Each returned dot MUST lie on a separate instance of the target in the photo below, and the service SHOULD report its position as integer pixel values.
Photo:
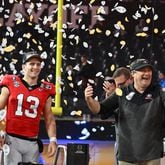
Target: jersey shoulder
(49, 87)
(7, 79)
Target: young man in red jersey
(26, 99)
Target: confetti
(118, 92)
(119, 9)
(92, 1)
(108, 33)
(123, 43)
(85, 44)
(141, 34)
(9, 48)
(156, 30)
(98, 74)
(112, 67)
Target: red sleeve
(53, 91)
(4, 81)
(50, 87)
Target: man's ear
(23, 66)
(133, 72)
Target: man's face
(84, 60)
(142, 77)
(32, 68)
(121, 81)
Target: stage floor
(100, 152)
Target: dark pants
(148, 162)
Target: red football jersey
(25, 105)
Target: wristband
(53, 139)
(2, 134)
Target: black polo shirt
(139, 122)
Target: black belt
(22, 137)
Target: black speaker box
(77, 154)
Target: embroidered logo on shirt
(148, 97)
(16, 84)
(130, 95)
(45, 86)
(48, 87)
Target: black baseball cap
(139, 64)
(29, 55)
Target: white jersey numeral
(32, 111)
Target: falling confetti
(112, 67)
(9, 48)
(123, 43)
(92, 1)
(118, 92)
(119, 9)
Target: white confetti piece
(119, 9)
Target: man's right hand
(93, 104)
(88, 92)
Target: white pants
(21, 151)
